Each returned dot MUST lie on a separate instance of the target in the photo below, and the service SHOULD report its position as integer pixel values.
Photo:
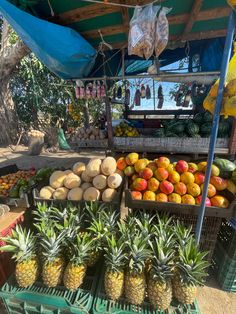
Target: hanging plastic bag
(142, 31)
(143, 91)
(137, 98)
(162, 31)
(229, 96)
(62, 140)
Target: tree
(12, 50)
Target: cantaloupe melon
(108, 166)
(85, 177)
(114, 181)
(46, 192)
(91, 194)
(108, 195)
(56, 179)
(100, 182)
(93, 168)
(60, 193)
(75, 194)
(68, 171)
(78, 168)
(84, 186)
(72, 181)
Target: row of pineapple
(144, 255)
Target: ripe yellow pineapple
(190, 272)
(23, 245)
(51, 249)
(135, 281)
(115, 262)
(159, 283)
(76, 268)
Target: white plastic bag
(142, 31)
(162, 31)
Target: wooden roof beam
(188, 37)
(192, 18)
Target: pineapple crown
(69, 222)
(22, 243)
(115, 256)
(138, 253)
(81, 249)
(42, 213)
(182, 234)
(163, 227)
(162, 258)
(191, 264)
(51, 242)
(93, 210)
(145, 224)
(110, 220)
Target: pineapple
(135, 281)
(190, 272)
(159, 281)
(53, 263)
(115, 262)
(76, 268)
(23, 245)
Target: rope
(120, 4)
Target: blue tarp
(61, 49)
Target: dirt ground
(211, 299)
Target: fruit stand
(77, 256)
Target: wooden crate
(169, 145)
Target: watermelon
(224, 128)
(170, 134)
(207, 117)
(224, 164)
(192, 128)
(176, 128)
(206, 128)
(198, 118)
(196, 136)
(183, 134)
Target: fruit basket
(40, 299)
(103, 305)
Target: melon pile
(181, 182)
(98, 180)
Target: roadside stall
(90, 260)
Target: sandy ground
(211, 299)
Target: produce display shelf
(227, 238)
(90, 143)
(225, 268)
(40, 299)
(103, 305)
(169, 145)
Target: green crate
(227, 238)
(103, 305)
(40, 299)
(225, 269)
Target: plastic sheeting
(61, 49)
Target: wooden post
(232, 140)
(109, 118)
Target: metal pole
(216, 118)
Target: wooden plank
(192, 17)
(11, 218)
(106, 31)
(125, 18)
(232, 141)
(94, 10)
(159, 112)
